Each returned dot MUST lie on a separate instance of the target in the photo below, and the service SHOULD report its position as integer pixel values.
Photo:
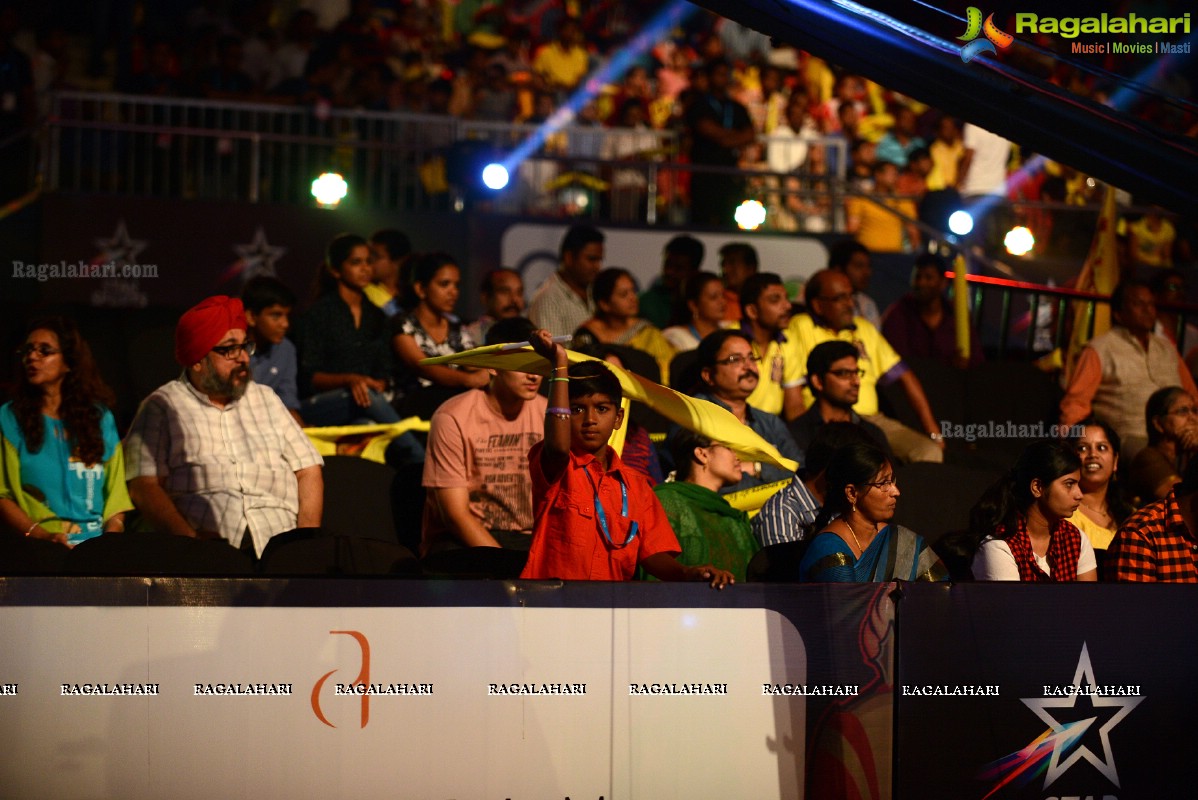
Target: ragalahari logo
(974, 27)
(363, 679)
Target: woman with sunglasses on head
(62, 474)
(341, 343)
(1022, 521)
(1172, 417)
(709, 530)
(1102, 508)
(857, 540)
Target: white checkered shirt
(226, 469)
(558, 309)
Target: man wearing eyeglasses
(213, 454)
(729, 368)
(834, 377)
(831, 317)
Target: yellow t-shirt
(874, 355)
(880, 230)
(559, 66)
(1100, 537)
(945, 158)
(650, 340)
(780, 368)
(377, 294)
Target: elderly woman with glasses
(1172, 417)
(62, 474)
(857, 542)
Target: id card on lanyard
(601, 514)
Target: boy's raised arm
(555, 454)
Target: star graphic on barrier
(120, 249)
(259, 256)
(1041, 706)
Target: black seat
(22, 555)
(313, 551)
(407, 495)
(936, 498)
(777, 563)
(475, 562)
(135, 553)
(357, 498)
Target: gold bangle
(31, 527)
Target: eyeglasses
(845, 374)
(43, 350)
(739, 358)
(1184, 411)
(886, 484)
(234, 351)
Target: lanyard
(602, 515)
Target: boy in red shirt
(596, 519)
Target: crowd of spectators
(216, 454)
(517, 486)
(733, 96)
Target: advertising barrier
(146, 688)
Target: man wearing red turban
(213, 454)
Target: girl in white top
(1023, 521)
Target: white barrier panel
(475, 702)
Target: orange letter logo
(363, 680)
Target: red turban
(203, 326)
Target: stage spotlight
(749, 215)
(1019, 241)
(495, 176)
(329, 189)
(960, 223)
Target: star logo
(1070, 718)
(974, 27)
(120, 249)
(1043, 706)
(258, 258)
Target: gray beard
(213, 385)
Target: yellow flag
(714, 422)
(752, 499)
(1100, 274)
(325, 440)
(961, 307)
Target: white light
(329, 189)
(960, 223)
(749, 215)
(495, 176)
(1019, 241)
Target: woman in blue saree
(857, 543)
